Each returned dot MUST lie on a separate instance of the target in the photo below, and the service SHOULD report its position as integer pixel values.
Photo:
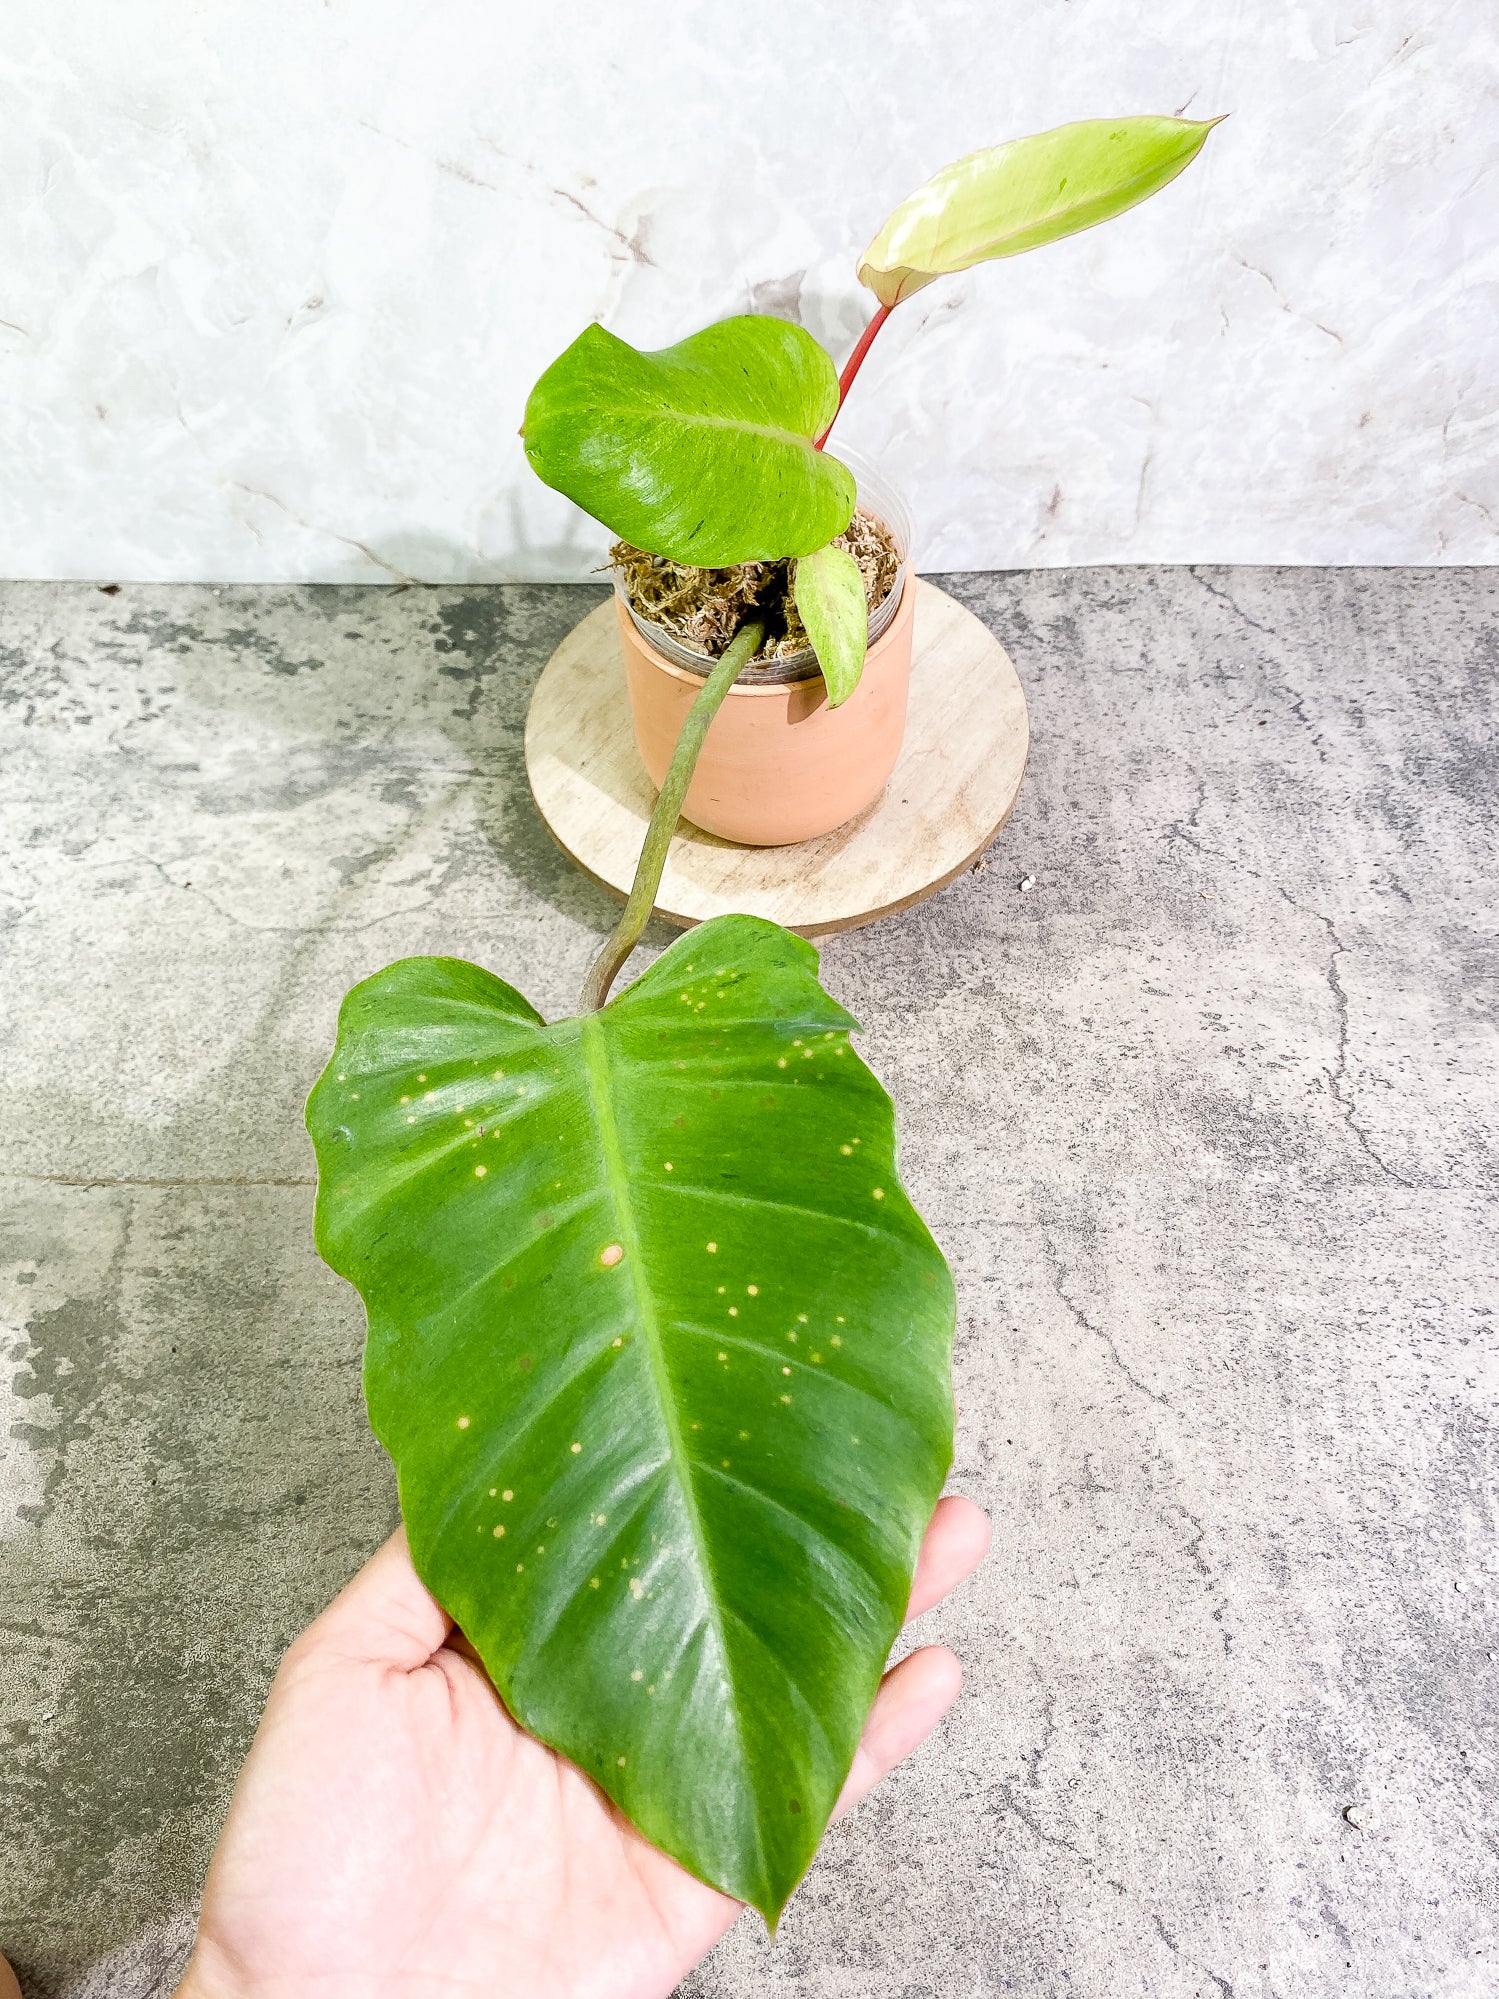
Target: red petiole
(853, 364)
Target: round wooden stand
(959, 772)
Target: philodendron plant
(657, 1343)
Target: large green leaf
(661, 1352)
(702, 452)
(1025, 193)
(830, 601)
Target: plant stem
(854, 363)
(626, 933)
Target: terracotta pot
(779, 765)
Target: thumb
(384, 1616)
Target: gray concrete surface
(1204, 1118)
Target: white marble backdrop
(276, 276)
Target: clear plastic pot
(876, 496)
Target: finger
(956, 1542)
(384, 1616)
(912, 1699)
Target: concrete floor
(1205, 1120)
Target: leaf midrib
(596, 1068)
(703, 421)
(945, 245)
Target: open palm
(394, 1832)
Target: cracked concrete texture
(1205, 1120)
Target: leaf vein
(596, 1058)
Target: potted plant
(707, 461)
(657, 1342)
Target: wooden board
(953, 788)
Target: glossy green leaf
(702, 452)
(1025, 193)
(661, 1352)
(831, 603)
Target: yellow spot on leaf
(575, 1448)
(499, 1531)
(463, 1422)
(480, 1171)
(611, 1254)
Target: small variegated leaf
(831, 603)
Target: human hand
(394, 1832)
